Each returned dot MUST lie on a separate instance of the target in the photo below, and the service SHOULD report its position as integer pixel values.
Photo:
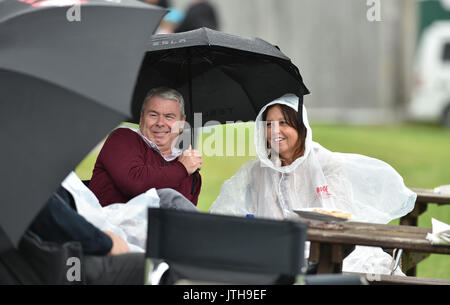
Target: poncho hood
(266, 156)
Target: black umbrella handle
(194, 181)
(300, 109)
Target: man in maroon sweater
(131, 162)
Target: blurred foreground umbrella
(63, 86)
(224, 77)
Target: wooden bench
(424, 197)
(382, 279)
(331, 243)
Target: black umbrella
(224, 77)
(63, 86)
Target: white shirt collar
(175, 153)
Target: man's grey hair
(165, 93)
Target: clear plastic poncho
(370, 189)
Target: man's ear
(141, 119)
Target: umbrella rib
(211, 62)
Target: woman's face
(282, 137)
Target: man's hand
(191, 159)
(120, 246)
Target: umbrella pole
(194, 175)
(191, 107)
(300, 108)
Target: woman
(292, 173)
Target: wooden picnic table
(424, 197)
(331, 243)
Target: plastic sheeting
(128, 221)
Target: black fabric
(58, 234)
(31, 180)
(199, 15)
(206, 242)
(300, 109)
(59, 223)
(194, 182)
(55, 90)
(224, 77)
(178, 272)
(125, 269)
(38, 262)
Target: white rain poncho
(370, 189)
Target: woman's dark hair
(291, 117)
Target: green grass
(420, 153)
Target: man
(62, 247)
(59, 235)
(131, 162)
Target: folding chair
(203, 247)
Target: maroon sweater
(127, 167)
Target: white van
(431, 92)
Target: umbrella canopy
(64, 85)
(224, 77)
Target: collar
(175, 153)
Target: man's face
(161, 122)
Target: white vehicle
(431, 92)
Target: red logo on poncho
(322, 191)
